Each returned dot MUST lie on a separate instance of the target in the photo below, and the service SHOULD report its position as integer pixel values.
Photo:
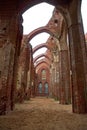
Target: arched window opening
(43, 74)
(46, 88)
(40, 87)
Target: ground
(43, 114)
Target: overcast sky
(39, 15)
(84, 14)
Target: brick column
(79, 68)
(8, 34)
(53, 79)
(56, 76)
(64, 77)
(17, 53)
(22, 85)
(51, 83)
(7, 74)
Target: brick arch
(39, 30)
(48, 62)
(43, 67)
(73, 22)
(24, 5)
(41, 55)
(40, 66)
(40, 46)
(42, 61)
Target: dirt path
(43, 114)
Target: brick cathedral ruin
(62, 71)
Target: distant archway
(40, 46)
(40, 30)
(43, 61)
(41, 55)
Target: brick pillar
(56, 77)
(31, 68)
(17, 53)
(7, 74)
(8, 34)
(78, 66)
(32, 80)
(57, 80)
(53, 81)
(22, 85)
(64, 78)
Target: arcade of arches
(59, 73)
